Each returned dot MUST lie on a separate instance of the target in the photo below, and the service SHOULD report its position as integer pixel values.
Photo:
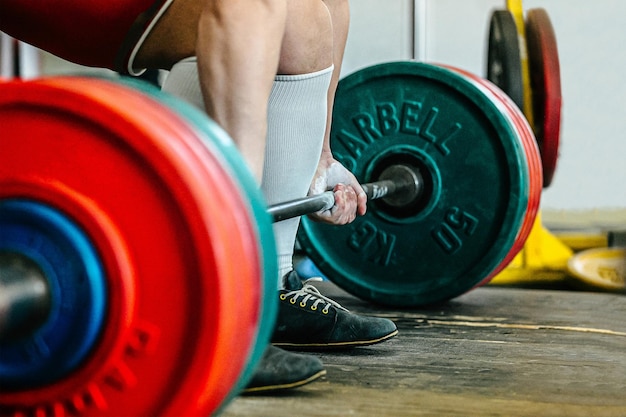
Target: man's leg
(350, 199)
(296, 126)
(236, 77)
(297, 122)
(299, 94)
(277, 369)
(238, 44)
(297, 106)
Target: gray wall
(592, 164)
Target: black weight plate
(504, 65)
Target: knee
(308, 40)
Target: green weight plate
(504, 64)
(475, 181)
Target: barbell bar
(399, 185)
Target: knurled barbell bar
(399, 185)
(163, 211)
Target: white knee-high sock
(296, 124)
(183, 82)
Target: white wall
(380, 31)
(590, 34)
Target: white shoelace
(309, 292)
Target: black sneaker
(308, 319)
(280, 370)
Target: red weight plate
(535, 172)
(545, 81)
(221, 145)
(536, 175)
(172, 231)
(534, 165)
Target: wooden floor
(491, 352)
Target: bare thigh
(307, 42)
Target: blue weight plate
(75, 277)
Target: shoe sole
(337, 345)
(283, 387)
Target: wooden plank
(494, 351)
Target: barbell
(149, 249)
